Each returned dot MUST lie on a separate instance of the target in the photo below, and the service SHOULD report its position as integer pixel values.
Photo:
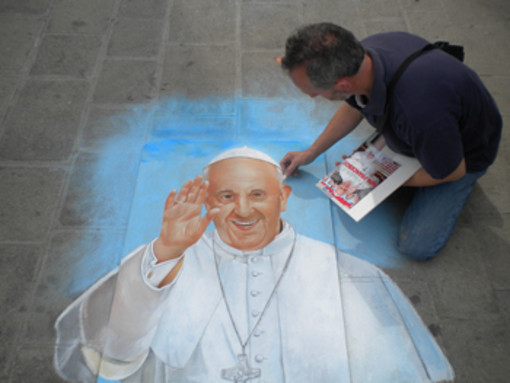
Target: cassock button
(254, 293)
(254, 259)
(255, 273)
(255, 313)
(257, 333)
(259, 358)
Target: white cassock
(333, 319)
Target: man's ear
(344, 85)
(285, 193)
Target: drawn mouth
(244, 225)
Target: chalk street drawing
(246, 298)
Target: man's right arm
(343, 122)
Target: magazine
(367, 177)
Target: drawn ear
(285, 193)
(207, 203)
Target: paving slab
(31, 365)
(9, 86)
(262, 77)
(29, 197)
(266, 26)
(187, 24)
(135, 38)
(18, 266)
(29, 7)
(100, 190)
(114, 129)
(73, 56)
(126, 81)
(44, 123)
(341, 12)
(152, 9)
(199, 71)
(19, 35)
(75, 259)
(82, 17)
(481, 347)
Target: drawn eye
(258, 194)
(226, 197)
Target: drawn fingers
(182, 197)
(170, 200)
(193, 191)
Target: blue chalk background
(156, 148)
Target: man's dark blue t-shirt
(440, 111)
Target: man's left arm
(422, 178)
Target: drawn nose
(243, 206)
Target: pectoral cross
(242, 372)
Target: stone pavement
(67, 66)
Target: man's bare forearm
(422, 178)
(343, 122)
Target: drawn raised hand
(182, 224)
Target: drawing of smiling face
(250, 197)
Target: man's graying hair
(330, 52)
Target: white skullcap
(244, 152)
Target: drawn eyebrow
(233, 192)
(225, 191)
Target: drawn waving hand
(182, 224)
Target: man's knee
(419, 249)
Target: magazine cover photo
(358, 176)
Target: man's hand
(343, 122)
(182, 225)
(292, 160)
